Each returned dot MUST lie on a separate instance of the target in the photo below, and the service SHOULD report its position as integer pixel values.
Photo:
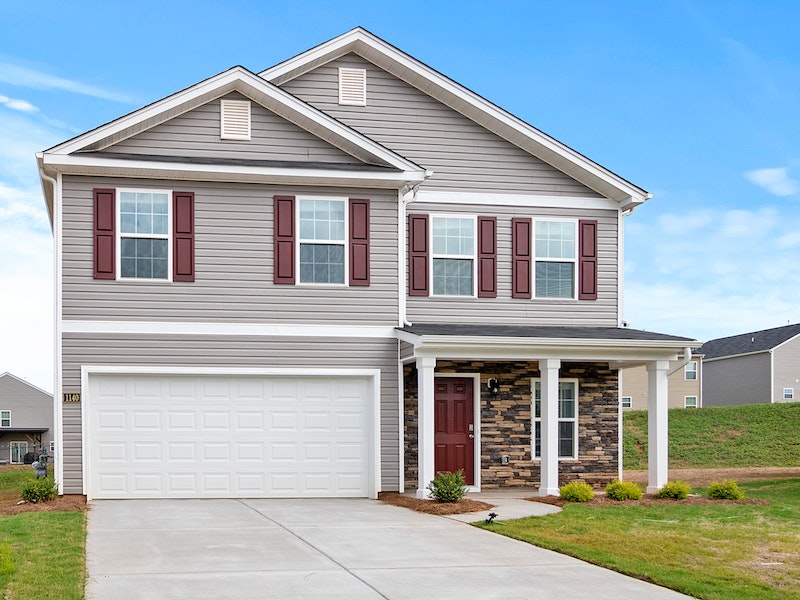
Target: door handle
(472, 436)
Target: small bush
(39, 490)
(576, 492)
(448, 487)
(725, 490)
(677, 490)
(623, 490)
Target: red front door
(453, 426)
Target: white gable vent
(353, 86)
(235, 119)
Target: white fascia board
(272, 97)
(520, 200)
(123, 167)
(466, 102)
(230, 329)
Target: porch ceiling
(526, 342)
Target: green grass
(754, 435)
(42, 554)
(715, 552)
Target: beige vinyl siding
(633, 383)
(507, 310)
(197, 134)
(463, 155)
(231, 351)
(786, 365)
(234, 263)
(737, 380)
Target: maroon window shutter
(487, 257)
(284, 240)
(521, 258)
(587, 264)
(418, 255)
(105, 242)
(359, 241)
(183, 236)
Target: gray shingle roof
(535, 331)
(745, 343)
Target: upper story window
(144, 234)
(788, 393)
(690, 371)
(627, 402)
(555, 249)
(453, 256)
(5, 418)
(567, 418)
(323, 234)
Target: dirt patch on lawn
(432, 507)
(69, 502)
(703, 477)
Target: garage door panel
(183, 436)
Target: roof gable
(748, 343)
(12, 387)
(478, 109)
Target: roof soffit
(466, 102)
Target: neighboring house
(685, 385)
(26, 421)
(760, 367)
(336, 277)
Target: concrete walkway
(323, 549)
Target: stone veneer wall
(506, 423)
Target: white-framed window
(18, 452)
(690, 371)
(627, 402)
(453, 255)
(690, 402)
(144, 219)
(788, 393)
(567, 418)
(555, 250)
(52, 450)
(5, 418)
(322, 240)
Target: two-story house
(26, 421)
(336, 277)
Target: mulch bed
(69, 502)
(647, 500)
(432, 507)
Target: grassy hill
(754, 435)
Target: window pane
(554, 280)
(321, 263)
(555, 239)
(144, 258)
(322, 220)
(144, 212)
(566, 438)
(453, 236)
(566, 400)
(537, 445)
(452, 277)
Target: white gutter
(687, 356)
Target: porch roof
(535, 342)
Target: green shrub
(725, 490)
(623, 490)
(39, 490)
(448, 487)
(576, 491)
(677, 490)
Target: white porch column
(549, 413)
(425, 440)
(657, 427)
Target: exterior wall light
(494, 387)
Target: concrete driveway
(310, 549)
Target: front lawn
(715, 551)
(42, 553)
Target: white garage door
(227, 436)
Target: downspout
(404, 201)
(687, 356)
(621, 268)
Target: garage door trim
(374, 416)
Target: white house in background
(685, 385)
(335, 277)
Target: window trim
(687, 371)
(622, 401)
(433, 255)
(345, 243)
(686, 405)
(575, 260)
(575, 445)
(791, 393)
(168, 236)
(5, 415)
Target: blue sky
(697, 102)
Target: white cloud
(776, 181)
(20, 105)
(30, 78)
